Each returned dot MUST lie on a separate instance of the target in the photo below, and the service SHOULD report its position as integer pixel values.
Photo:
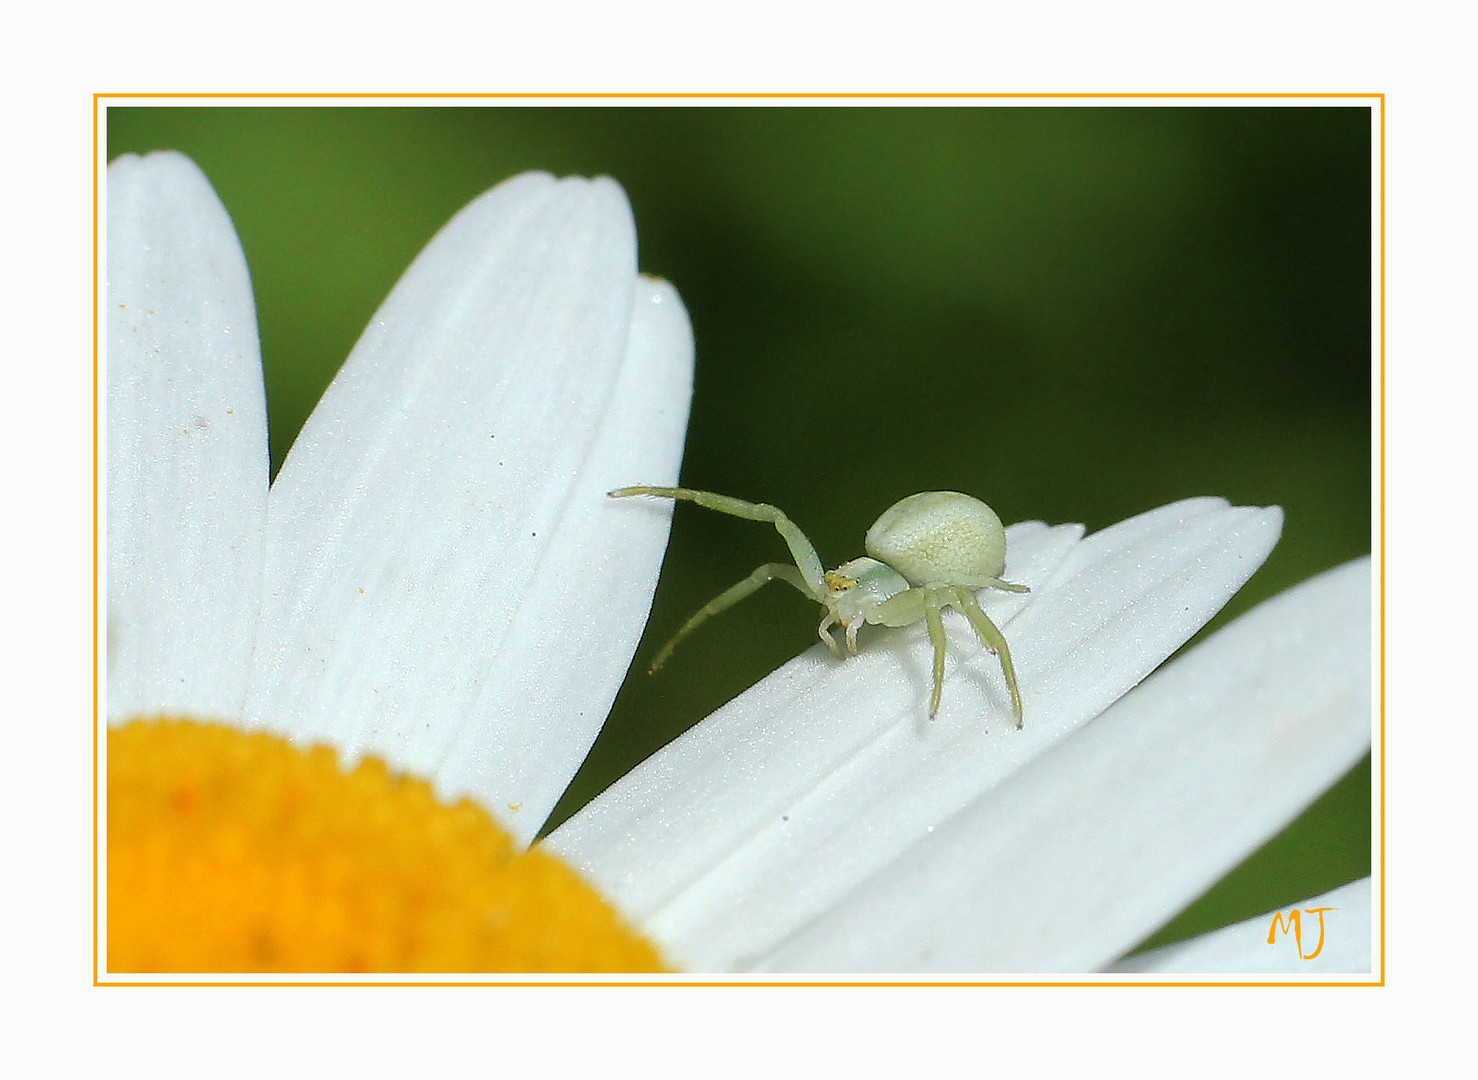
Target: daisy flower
(436, 599)
(432, 580)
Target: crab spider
(927, 552)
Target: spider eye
(838, 583)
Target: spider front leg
(824, 633)
(801, 549)
(761, 576)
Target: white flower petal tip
(1332, 937)
(447, 587)
(763, 817)
(187, 462)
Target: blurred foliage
(1075, 313)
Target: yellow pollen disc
(234, 851)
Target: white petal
(441, 484)
(1095, 844)
(1341, 947)
(187, 446)
(766, 814)
(581, 617)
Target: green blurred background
(1075, 313)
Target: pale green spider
(927, 552)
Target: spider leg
(922, 602)
(801, 549)
(993, 583)
(992, 638)
(824, 633)
(762, 575)
(932, 607)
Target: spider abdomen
(940, 536)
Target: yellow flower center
(234, 851)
